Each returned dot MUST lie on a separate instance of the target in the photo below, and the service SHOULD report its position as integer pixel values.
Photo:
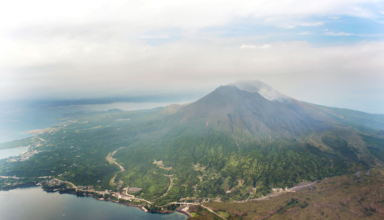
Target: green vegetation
(357, 118)
(219, 159)
(373, 141)
(12, 183)
(341, 146)
(342, 197)
(52, 188)
(17, 143)
(199, 213)
(379, 153)
(165, 208)
(376, 146)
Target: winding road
(110, 159)
(113, 160)
(169, 187)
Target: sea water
(5, 153)
(33, 203)
(16, 121)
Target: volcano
(257, 110)
(240, 138)
(248, 135)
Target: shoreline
(185, 213)
(178, 209)
(20, 186)
(93, 196)
(122, 203)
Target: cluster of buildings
(85, 187)
(53, 182)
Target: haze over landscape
(324, 52)
(192, 109)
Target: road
(190, 204)
(212, 211)
(113, 160)
(301, 186)
(73, 185)
(110, 159)
(170, 185)
(296, 188)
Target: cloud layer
(77, 49)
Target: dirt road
(296, 188)
(111, 160)
(73, 185)
(209, 209)
(170, 185)
(301, 186)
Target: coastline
(35, 133)
(95, 197)
(142, 207)
(123, 203)
(185, 213)
(20, 186)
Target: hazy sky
(328, 52)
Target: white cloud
(305, 33)
(264, 46)
(287, 26)
(360, 12)
(311, 24)
(121, 67)
(338, 33)
(288, 23)
(185, 14)
(154, 36)
(78, 48)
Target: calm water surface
(14, 123)
(33, 203)
(5, 153)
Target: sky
(328, 52)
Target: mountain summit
(263, 89)
(256, 110)
(240, 138)
(247, 135)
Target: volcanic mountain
(257, 110)
(250, 135)
(240, 138)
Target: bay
(5, 153)
(33, 203)
(14, 122)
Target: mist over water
(15, 121)
(32, 202)
(5, 153)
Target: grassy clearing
(223, 214)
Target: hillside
(239, 139)
(349, 196)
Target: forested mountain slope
(240, 138)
